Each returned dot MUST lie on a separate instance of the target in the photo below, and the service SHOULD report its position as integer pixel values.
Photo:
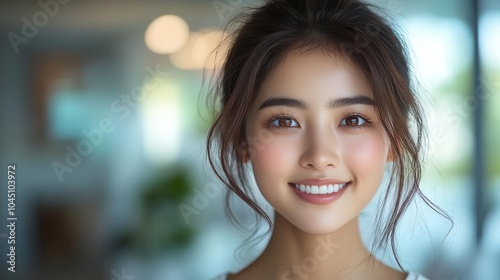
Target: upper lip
(319, 182)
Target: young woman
(316, 96)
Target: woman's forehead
(314, 76)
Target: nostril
(320, 161)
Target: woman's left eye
(353, 121)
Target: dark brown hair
(351, 29)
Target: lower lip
(319, 198)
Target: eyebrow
(301, 104)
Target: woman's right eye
(283, 122)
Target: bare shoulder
(384, 272)
(394, 274)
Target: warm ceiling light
(183, 59)
(203, 50)
(166, 34)
(211, 48)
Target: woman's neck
(294, 254)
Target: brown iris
(352, 121)
(285, 122)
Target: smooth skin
(344, 142)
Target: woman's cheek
(274, 156)
(365, 153)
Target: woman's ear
(390, 154)
(244, 152)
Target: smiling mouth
(319, 189)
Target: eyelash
(286, 116)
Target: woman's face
(314, 118)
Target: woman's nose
(321, 150)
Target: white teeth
(324, 189)
(314, 189)
(330, 188)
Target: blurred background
(99, 113)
